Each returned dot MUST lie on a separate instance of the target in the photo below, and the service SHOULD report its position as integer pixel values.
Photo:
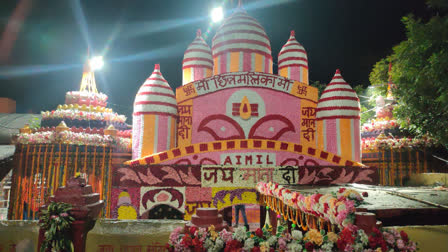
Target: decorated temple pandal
(83, 120)
(232, 134)
(234, 123)
(81, 136)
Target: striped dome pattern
(241, 44)
(198, 61)
(155, 96)
(293, 60)
(338, 100)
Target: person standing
(241, 208)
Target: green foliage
(320, 86)
(367, 97)
(421, 75)
(280, 230)
(56, 221)
(380, 73)
(438, 4)
(367, 114)
(34, 123)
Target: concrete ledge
(429, 238)
(428, 179)
(131, 235)
(134, 227)
(19, 235)
(118, 235)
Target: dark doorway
(163, 212)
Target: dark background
(47, 57)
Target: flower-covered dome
(198, 62)
(338, 100)
(155, 96)
(293, 61)
(241, 44)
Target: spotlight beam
(165, 52)
(21, 71)
(81, 20)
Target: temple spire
(88, 83)
(390, 84)
(390, 73)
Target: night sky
(47, 57)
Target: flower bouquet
(349, 239)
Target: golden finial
(381, 136)
(61, 127)
(88, 83)
(26, 129)
(110, 131)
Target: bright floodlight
(217, 14)
(96, 62)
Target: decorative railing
(395, 166)
(40, 169)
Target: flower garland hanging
(337, 208)
(68, 137)
(56, 220)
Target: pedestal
(205, 217)
(86, 206)
(365, 221)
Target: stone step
(91, 198)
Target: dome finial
(240, 4)
(198, 33)
(337, 71)
(157, 67)
(293, 33)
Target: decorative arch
(244, 145)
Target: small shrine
(235, 134)
(393, 149)
(80, 136)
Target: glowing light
(217, 14)
(96, 62)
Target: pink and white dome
(293, 60)
(198, 61)
(241, 44)
(338, 100)
(155, 96)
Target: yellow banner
(304, 91)
(184, 123)
(308, 123)
(186, 92)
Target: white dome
(338, 100)
(198, 54)
(155, 96)
(292, 54)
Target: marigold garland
(340, 213)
